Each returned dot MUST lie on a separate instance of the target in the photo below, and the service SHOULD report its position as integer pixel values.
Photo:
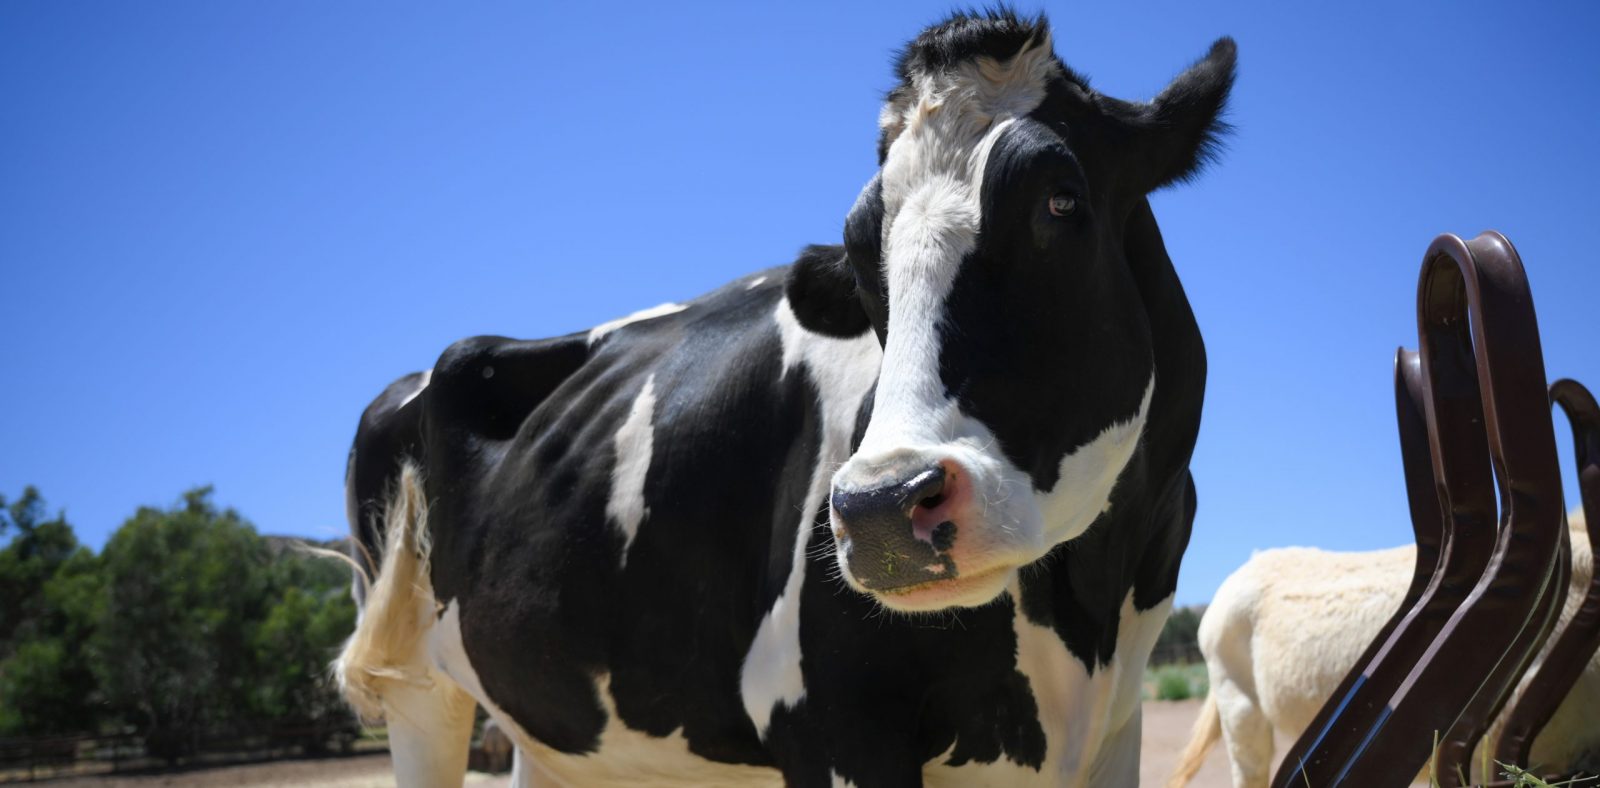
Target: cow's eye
(1063, 205)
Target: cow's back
(1290, 622)
(1288, 625)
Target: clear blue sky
(225, 226)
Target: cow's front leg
(430, 730)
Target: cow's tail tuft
(1207, 730)
(386, 646)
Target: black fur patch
(822, 292)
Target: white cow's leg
(430, 729)
(525, 772)
(1248, 734)
(1118, 762)
(385, 669)
(520, 778)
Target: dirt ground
(361, 771)
(1166, 730)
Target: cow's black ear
(1175, 135)
(822, 293)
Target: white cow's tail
(1207, 730)
(385, 647)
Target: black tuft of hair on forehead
(997, 33)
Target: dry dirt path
(360, 771)
(1166, 730)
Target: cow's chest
(627, 757)
(1086, 721)
(1090, 721)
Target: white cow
(1286, 627)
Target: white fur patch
(427, 377)
(660, 310)
(635, 442)
(626, 757)
(755, 283)
(448, 653)
(1089, 473)
(932, 176)
(974, 92)
(842, 370)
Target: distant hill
(278, 545)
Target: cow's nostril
(895, 535)
(925, 489)
(892, 503)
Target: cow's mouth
(972, 589)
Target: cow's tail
(1207, 730)
(385, 648)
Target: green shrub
(1176, 682)
(1172, 685)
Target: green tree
(1179, 641)
(50, 589)
(311, 616)
(185, 591)
(39, 545)
(294, 645)
(188, 620)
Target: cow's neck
(1136, 546)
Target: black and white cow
(908, 510)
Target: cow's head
(988, 255)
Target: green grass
(1519, 777)
(1522, 778)
(1176, 682)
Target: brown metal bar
(1483, 388)
(1338, 716)
(1474, 302)
(1462, 487)
(1580, 640)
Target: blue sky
(225, 226)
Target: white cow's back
(1289, 623)
(1285, 628)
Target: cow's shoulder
(387, 434)
(487, 385)
(598, 498)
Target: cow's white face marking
(932, 176)
(635, 441)
(843, 371)
(660, 310)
